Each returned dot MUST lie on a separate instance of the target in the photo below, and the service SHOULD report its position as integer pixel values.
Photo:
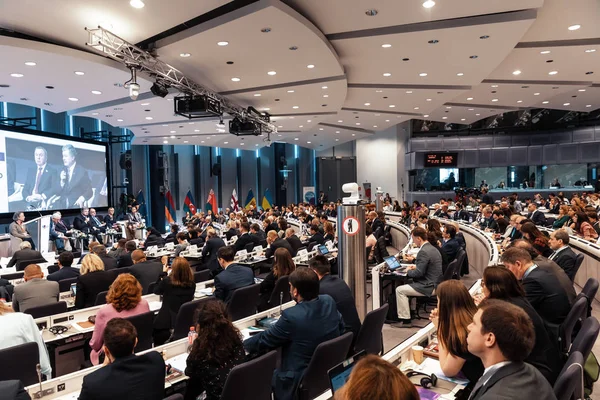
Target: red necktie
(37, 181)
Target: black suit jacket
(341, 294)
(124, 260)
(13, 390)
(450, 248)
(132, 377)
(89, 285)
(261, 235)
(317, 238)
(555, 209)
(109, 262)
(23, 255)
(461, 215)
(230, 233)
(80, 224)
(109, 221)
(487, 199)
(233, 277)
(566, 259)
(295, 243)
(537, 217)
(277, 244)
(48, 184)
(547, 294)
(63, 273)
(516, 380)
(245, 239)
(377, 224)
(146, 272)
(80, 185)
(173, 298)
(209, 251)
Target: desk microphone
(280, 301)
(38, 369)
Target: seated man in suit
(125, 375)
(293, 240)
(110, 219)
(171, 237)
(339, 291)
(83, 223)
(124, 259)
(182, 243)
(563, 255)
(25, 253)
(500, 223)
(300, 329)
(65, 260)
(316, 235)
(232, 231)
(233, 277)
(209, 251)
(543, 286)
(451, 245)
(487, 219)
(108, 261)
(256, 231)
(97, 225)
(460, 214)
(245, 238)
(502, 335)
(275, 242)
(426, 274)
(41, 181)
(145, 271)
(58, 233)
(535, 215)
(36, 291)
(442, 212)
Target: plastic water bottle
(192, 335)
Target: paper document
(178, 362)
(205, 291)
(154, 305)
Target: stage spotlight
(132, 85)
(160, 90)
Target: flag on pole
(188, 203)
(211, 202)
(250, 200)
(142, 203)
(267, 200)
(170, 208)
(235, 207)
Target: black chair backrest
(369, 336)
(151, 287)
(20, 265)
(263, 243)
(201, 276)
(578, 261)
(65, 284)
(101, 298)
(591, 288)
(14, 275)
(565, 331)
(326, 356)
(143, 324)
(380, 250)
(301, 248)
(281, 286)
(461, 254)
(311, 246)
(253, 377)
(450, 270)
(185, 318)
(243, 302)
(569, 383)
(585, 339)
(19, 362)
(48, 309)
(250, 247)
(176, 396)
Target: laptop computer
(323, 250)
(393, 263)
(339, 375)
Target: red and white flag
(235, 207)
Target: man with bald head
(36, 291)
(275, 242)
(293, 240)
(145, 271)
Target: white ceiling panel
(583, 99)
(463, 115)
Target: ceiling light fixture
(444, 117)
(80, 73)
(387, 74)
(222, 43)
(462, 119)
(295, 138)
(392, 106)
(371, 13)
(429, 4)
(587, 51)
(310, 66)
(165, 141)
(30, 64)
(566, 104)
(581, 90)
(469, 98)
(358, 123)
(257, 95)
(433, 41)
(416, 108)
(295, 107)
(589, 72)
(184, 55)
(545, 102)
(494, 100)
(427, 99)
(137, 4)
(15, 75)
(149, 118)
(494, 86)
(95, 113)
(460, 74)
(96, 92)
(236, 79)
(323, 87)
(473, 57)
(265, 30)
(325, 95)
(552, 72)
(478, 115)
(588, 105)
(545, 52)
(536, 94)
(386, 45)
(290, 91)
(519, 101)
(517, 72)
(484, 37)
(73, 99)
(574, 27)
(271, 73)
(470, 109)
(426, 116)
(423, 74)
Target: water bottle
(192, 335)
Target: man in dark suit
(124, 259)
(460, 214)
(245, 238)
(97, 226)
(426, 274)
(300, 329)
(487, 219)
(65, 260)
(339, 291)
(442, 212)
(502, 336)
(126, 376)
(376, 223)
(75, 183)
(543, 286)
(323, 198)
(108, 261)
(25, 253)
(210, 249)
(563, 255)
(13, 390)
(83, 223)
(486, 198)
(233, 277)
(316, 236)
(256, 231)
(293, 240)
(276, 242)
(42, 181)
(535, 215)
(500, 223)
(451, 245)
(145, 271)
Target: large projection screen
(39, 171)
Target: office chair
(48, 309)
(589, 293)
(12, 276)
(251, 380)
(327, 355)
(370, 337)
(585, 339)
(250, 247)
(569, 383)
(19, 362)
(201, 276)
(450, 271)
(565, 330)
(281, 286)
(243, 302)
(144, 324)
(20, 266)
(578, 261)
(65, 284)
(101, 298)
(312, 245)
(185, 318)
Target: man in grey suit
(502, 335)
(426, 274)
(24, 253)
(36, 291)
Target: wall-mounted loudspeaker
(216, 169)
(125, 161)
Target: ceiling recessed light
(358, 123)
(354, 134)
(271, 73)
(119, 120)
(392, 106)
(367, 104)
(320, 129)
(149, 118)
(426, 115)
(494, 86)
(587, 51)
(581, 90)
(295, 138)
(73, 99)
(536, 94)
(80, 73)
(460, 74)
(172, 131)
(429, 4)
(588, 105)
(386, 46)
(266, 109)
(15, 75)
(462, 119)
(295, 107)
(574, 27)
(387, 74)
(325, 95)
(222, 43)
(339, 120)
(517, 72)
(185, 141)
(469, 98)
(415, 108)
(427, 99)
(374, 126)
(519, 101)
(473, 57)
(409, 92)
(545, 52)
(444, 117)
(494, 100)
(478, 115)
(371, 12)
(448, 107)
(184, 55)
(257, 95)
(552, 72)
(165, 141)
(308, 142)
(30, 64)
(309, 120)
(545, 102)
(96, 92)
(387, 120)
(566, 104)
(337, 140)
(290, 91)
(95, 113)
(310, 66)
(470, 109)
(423, 74)
(323, 87)
(236, 79)
(433, 41)
(137, 4)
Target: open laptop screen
(339, 375)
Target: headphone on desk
(58, 329)
(428, 381)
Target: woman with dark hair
(499, 283)
(537, 239)
(583, 226)
(405, 204)
(217, 349)
(563, 217)
(434, 226)
(397, 207)
(452, 317)
(177, 288)
(283, 225)
(416, 206)
(282, 266)
(329, 231)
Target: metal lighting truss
(112, 46)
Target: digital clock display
(441, 159)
